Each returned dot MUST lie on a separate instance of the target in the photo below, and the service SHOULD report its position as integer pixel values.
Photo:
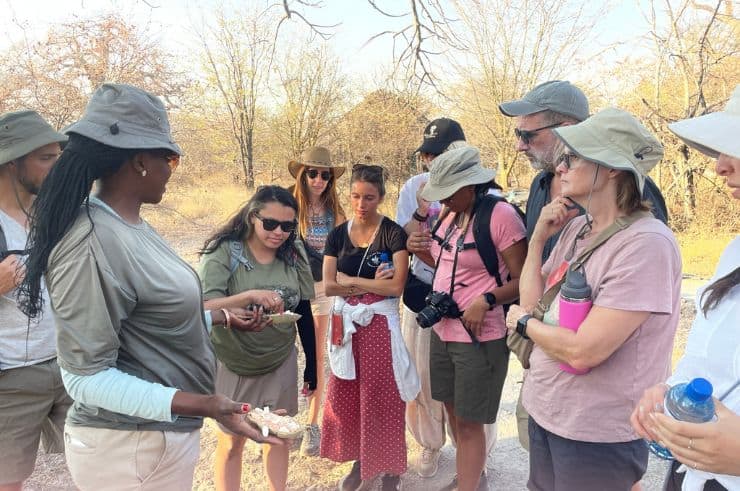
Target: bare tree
(513, 46)
(313, 92)
(692, 72)
(237, 50)
(57, 74)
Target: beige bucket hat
(453, 170)
(124, 116)
(715, 133)
(615, 139)
(22, 132)
(318, 157)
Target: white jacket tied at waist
(341, 359)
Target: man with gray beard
(547, 106)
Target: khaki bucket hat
(318, 157)
(22, 132)
(615, 139)
(453, 170)
(715, 133)
(124, 116)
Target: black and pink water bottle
(575, 303)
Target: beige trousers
(426, 418)
(101, 459)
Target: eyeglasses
(313, 173)
(565, 159)
(271, 224)
(527, 135)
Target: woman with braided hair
(132, 334)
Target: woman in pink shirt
(468, 353)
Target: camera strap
(459, 246)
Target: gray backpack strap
(236, 254)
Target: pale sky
(172, 20)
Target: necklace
(369, 238)
(315, 211)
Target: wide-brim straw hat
(454, 170)
(22, 132)
(124, 116)
(615, 139)
(715, 133)
(318, 157)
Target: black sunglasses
(325, 174)
(565, 159)
(271, 224)
(527, 135)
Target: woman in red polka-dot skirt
(365, 266)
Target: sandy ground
(508, 464)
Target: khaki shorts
(277, 389)
(101, 459)
(321, 305)
(471, 378)
(33, 406)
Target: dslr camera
(439, 304)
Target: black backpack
(482, 240)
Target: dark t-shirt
(391, 238)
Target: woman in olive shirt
(254, 260)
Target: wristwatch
(490, 299)
(521, 325)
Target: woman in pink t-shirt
(468, 353)
(579, 430)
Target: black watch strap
(521, 325)
(490, 299)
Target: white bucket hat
(615, 139)
(715, 133)
(124, 116)
(453, 170)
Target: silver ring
(691, 443)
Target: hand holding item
(249, 319)
(651, 401)
(385, 271)
(712, 447)
(419, 242)
(269, 299)
(231, 415)
(553, 218)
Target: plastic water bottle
(690, 402)
(575, 303)
(385, 259)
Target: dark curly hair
(239, 226)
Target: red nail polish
(245, 408)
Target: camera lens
(427, 317)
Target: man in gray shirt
(33, 402)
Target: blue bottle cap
(384, 257)
(699, 390)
